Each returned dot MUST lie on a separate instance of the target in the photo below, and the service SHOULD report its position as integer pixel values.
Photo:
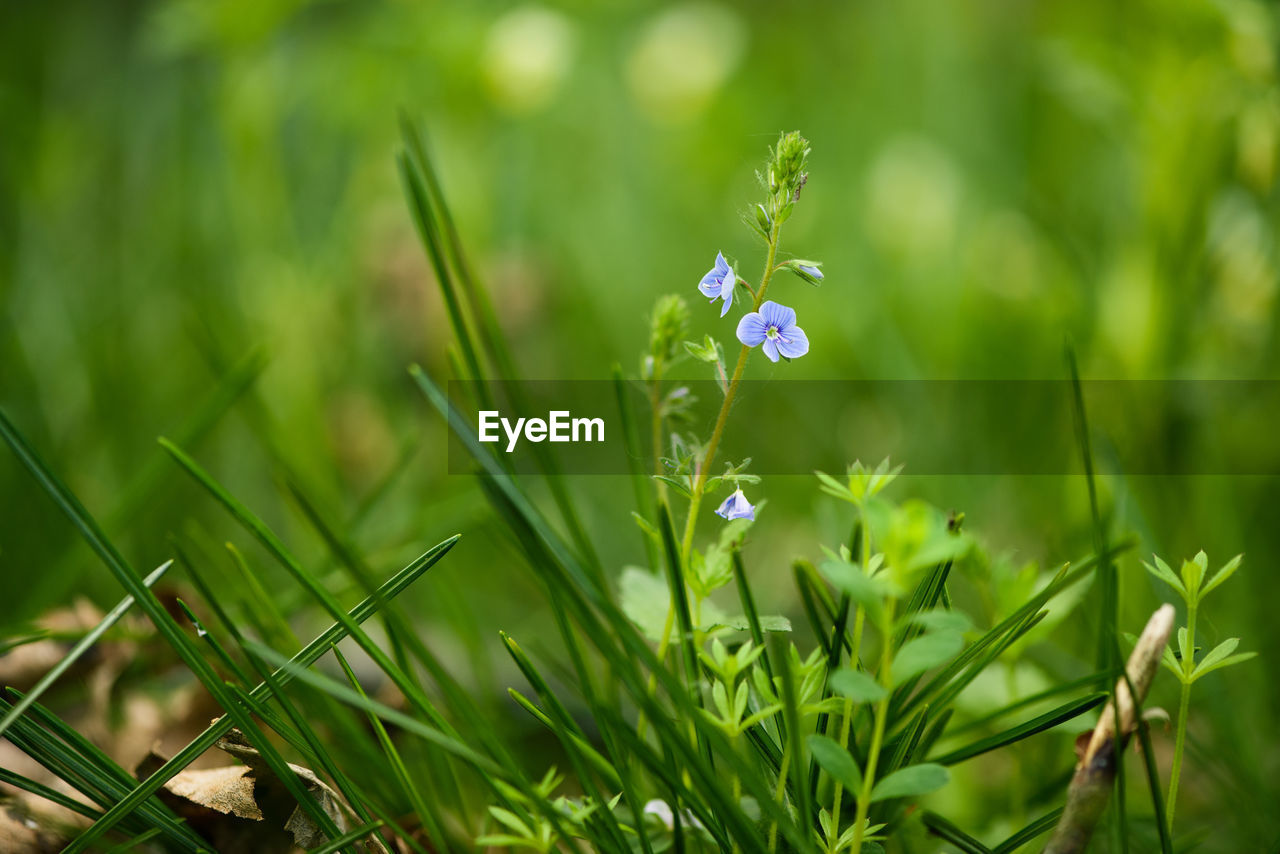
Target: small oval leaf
(911, 782)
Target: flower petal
(736, 506)
(709, 288)
(770, 349)
(793, 343)
(722, 266)
(725, 508)
(752, 330)
(777, 315)
(727, 292)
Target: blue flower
(774, 326)
(736, 506)
(719, 283)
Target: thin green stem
(877, 734)
(1184, 705)
(655, 397)
(779, 796)
(854, 652)
(704, 467)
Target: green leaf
(910, 782)
(1193, 573)
(741, 623)
(1185, 652)
(855, 685)
(711, 571)
(706, 351)
(836, 761)
(941, 620)
(1211, 663)
(1162, 571)
(1216, 654)
(678, 485)
(835, 488)
(645, 600)
(1171, 663)
(862, 589)
(924, 653)
(1228, 570)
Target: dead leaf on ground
(234, 804)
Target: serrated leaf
(925, 653)
(836, 761)
(856, 685)
(911, 782)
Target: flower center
(772, 332)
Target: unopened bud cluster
(786, 176)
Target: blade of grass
(944, 829)
(1062, 688)
(1038, 724)
(52, 795)
(64, 752)
(222, 725)
(431, 818)
(81, 647)
(347, 838)
(1036, 828)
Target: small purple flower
(719, 283)
(736, 506)
(774, 326)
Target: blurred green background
(187, 185)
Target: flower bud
(810, 271)
(790, 156)
(670, 318)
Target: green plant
(682, 725)
(1192, 586)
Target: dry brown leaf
(234, 803)
(228, 790)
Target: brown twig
(1091, 785)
